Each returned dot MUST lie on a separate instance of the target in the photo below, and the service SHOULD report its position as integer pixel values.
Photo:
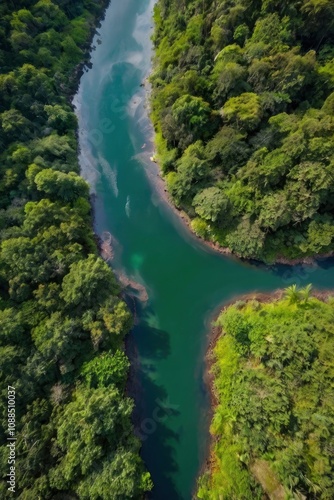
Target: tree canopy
(62, 318)
(273, 416)
(253, 81)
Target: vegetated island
(62, 319)
(242, 105)
(271, 375)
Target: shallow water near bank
(185, 280)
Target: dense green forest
(243, 107)
(273, 422)
(62, 319)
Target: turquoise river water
(185, 281)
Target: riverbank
(61, 306)
(160, 186)
(211, 360)
(216, 331)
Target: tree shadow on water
(299, 272)
(153, 422)
(154, 412)
(325, 262)
(151, 342)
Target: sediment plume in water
(132, 287)
(107, 251)
(128, 284)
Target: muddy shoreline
(216, 333)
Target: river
(185, 280)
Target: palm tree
(293, 294)
(306, 292)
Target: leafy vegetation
(243, 101)
(62, 319)
(273, 423)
